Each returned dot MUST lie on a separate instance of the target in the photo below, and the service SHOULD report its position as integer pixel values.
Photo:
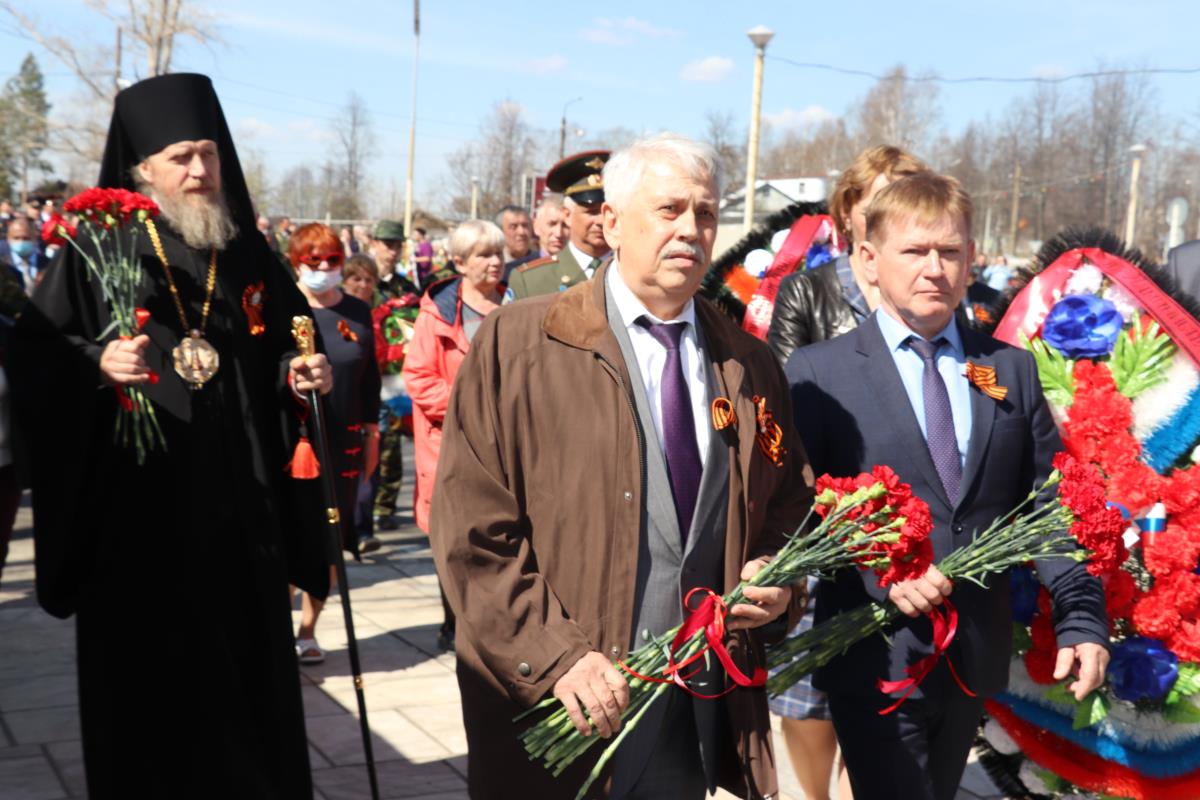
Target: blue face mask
(23, 248)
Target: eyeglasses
(314, 260)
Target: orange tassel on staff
(304, 464)
(984, 379)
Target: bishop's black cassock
(176, 570)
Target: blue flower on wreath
(1142, 669)
(1083, 326)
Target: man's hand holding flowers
(766, 602)
(123, 363)
(918, 596)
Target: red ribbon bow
(945, 625)
(709, 616)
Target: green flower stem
(834, 543)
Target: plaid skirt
(801, 701)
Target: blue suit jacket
(852, 413)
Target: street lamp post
(474, 197)
(562, 130)
(412, 129)
(1138, 150)
(759, 36)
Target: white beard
(202, 223)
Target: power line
(1104, 73)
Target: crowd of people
(571, 472)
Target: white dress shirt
(652, 356)
(583, 259)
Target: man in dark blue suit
(894, 392)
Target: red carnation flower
(1120, 589)
(56, 230)
(1185, 641)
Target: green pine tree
(27, 126)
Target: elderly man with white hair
(585, 487)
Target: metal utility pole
(1016, 210)
(412, 130)
(117, 69)
(562, 130)
(759, 35)
(1138, 150)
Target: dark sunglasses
(314, 260)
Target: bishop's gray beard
(202, 223)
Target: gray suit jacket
(668, 569)
(852, 413)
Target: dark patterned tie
(939, 419)
(594, 265)
(679, 425)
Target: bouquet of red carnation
(872, 521)
(103, 214)
(1012, 540)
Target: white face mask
(320, 280)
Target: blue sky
(285, 68)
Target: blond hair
(883, 159)
(925, 197)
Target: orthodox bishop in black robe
(177, 569)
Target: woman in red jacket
(451, 312)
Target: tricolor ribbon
(984, 379)
(945, 625)
(709, 616)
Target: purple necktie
(679, 425)
(939, 419)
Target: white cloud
(790, 118)
(713, 68)
(255, 128)
(622, 32)
(545, 66)
(309, 130)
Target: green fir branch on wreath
(1140, 358)
(1187, 683)
(1054, 370)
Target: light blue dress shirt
(951, 363)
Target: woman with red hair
(345, 325)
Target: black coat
(809, 307)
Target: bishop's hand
(123, 361)
(311, 372)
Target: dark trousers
(10, 501)
(917, 752)
(662, 762)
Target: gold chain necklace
(196, 361)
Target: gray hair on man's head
(623, 172)
(473, 234)
(550, 202)
(510, 209)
